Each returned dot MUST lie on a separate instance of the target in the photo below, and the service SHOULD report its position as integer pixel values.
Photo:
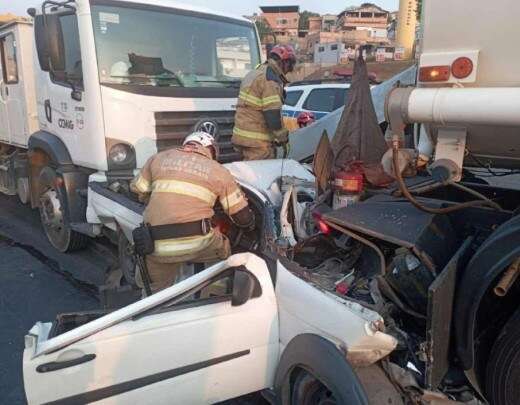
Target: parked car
(318, 96)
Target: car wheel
(503, 373)
(52, 215)
(308, 390)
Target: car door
(207, 339)
(323, 101)
(12, 93)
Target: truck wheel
(126, 259)
(308, 390)
(52, 215)
(503, 373)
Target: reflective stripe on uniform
(182, 246)
(143, 185)
(184, 188)
(231, 200)
(252, 135)
(259, 102)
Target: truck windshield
(166, 47)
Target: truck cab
(118, 81)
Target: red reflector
(462, 67)
(434, 74)
(349, 182)
(321, 224)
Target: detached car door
(209, 338)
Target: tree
(304, 19)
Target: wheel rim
(309, 390)
(52, 219)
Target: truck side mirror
(243, 287)
(40, 38)
(55, 42)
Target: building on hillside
(367, 17)
(283, 20)
(315, 24)
(329, 53)
(329, 22)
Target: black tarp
(358, 136)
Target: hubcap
(51, 209)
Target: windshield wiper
(228, 83)
(158, 78)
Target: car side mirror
(55, 43)
(243, 287)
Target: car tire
(53, 216)
(503, 373)
(308, 390)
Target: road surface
(37, 283)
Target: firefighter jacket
(183, 185)
(259, 107)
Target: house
(367, 17)
(329, 53)
(283, 20)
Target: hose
(406, 193)
(364, 241)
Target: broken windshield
(171, 48)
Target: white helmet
(202, 138)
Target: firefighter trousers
(266, 151)
(163, 270)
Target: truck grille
(172, 127)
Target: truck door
(207, 339)
(4, 123)
(64, 107)
(12, 92)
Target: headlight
(119, 153)
(121, 156)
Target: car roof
(319, 86)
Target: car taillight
(349, 182)
(434, 74)
(321, 224)
(462, 67)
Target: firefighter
(182, 185)
(258, 121)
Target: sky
(232, 6)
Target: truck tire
(53, 215)
(503, 373)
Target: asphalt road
(36, 283)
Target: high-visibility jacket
(183, 185)
(262, 91)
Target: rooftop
(280, 9)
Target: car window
(73, 66)
(341, 96)
(10, 66)
(292, 97)
(325, 100)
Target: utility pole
(406, 26)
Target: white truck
(109, 84)
(406, 296)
